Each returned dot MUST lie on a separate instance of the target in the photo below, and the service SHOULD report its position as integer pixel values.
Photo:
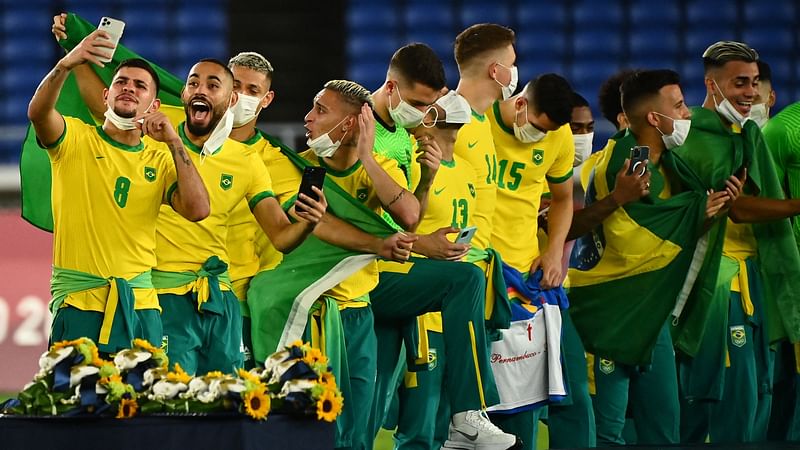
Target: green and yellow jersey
(394, 143)
(243, 226)
(106, 197)
(522, 173)
(783, 141)
(232, 173)
(474, 143)
(358, 184)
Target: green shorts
(71, 323)
(202, 342)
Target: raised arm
(396, 200)
(285, 235)
(47, 122)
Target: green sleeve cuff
(287, 205)
(258, 197)
(561, 179)
(171, 191)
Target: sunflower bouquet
(300, 382)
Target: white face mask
(527, 133)
(680, 129)
(246, 109)
(726, 109)
(456, 108)
(124, 123)
(405, 115)
(323, 146)
(219, 134)
(583, 147)
(508, 91)
(760, 114)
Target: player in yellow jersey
(252, 81)
(108, 186)
(535, 147)
(201, 315)
(485, 57)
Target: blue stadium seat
(654, 39)
(190, 50)
(693, 93)
(158, 51)
(698, 39)
(597, 43)
(776, 12)
(441, 42)
(372, 17)
(598, 14)
(28, 20)
(532, 68)
(429, 16)
(451, 72)
(31, 49)
(771, 43)
(541, 14)
(588, 75)
(648, 12)
(534, 42)
(91, 12)
(782, 72)
(369, 74)
(368, 46)
(719, 13)
(209, 19)
(24, 78)
(481, 12)
(154, 18)
(654, 61)
(15, 108)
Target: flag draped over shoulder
(715, 152)
(280, 299)
(630, 272)
(34, 163)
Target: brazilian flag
(34, 163)
(715, 151)
(629, 274)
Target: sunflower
(146, 346)
(257, 404)
(329, 406)
(327, 380)
(127, 408)
(179, 375)
(247, 376)
(297, 343)
(215, 374)
(314, 356)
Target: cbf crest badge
(433, 359)
(150, 174)
(738, 335)
(471, 190)
(361, 195)
(226, 181)
(538, 156)
(606, 366)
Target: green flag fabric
(628, 275)
(715, 151)
(280, 299)
(34, 163)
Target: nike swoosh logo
(471, 437)
(472, 144)
(438, 191)
(99, 157)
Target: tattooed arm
(190, 199)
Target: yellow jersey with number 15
(522, 173)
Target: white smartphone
(466, 234)
(114, 28)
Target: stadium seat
(718, 13)
(209, 19)
(535, 42)
(598, 14)
(440, 42)
(776, 12)
(190, 50)
(429, 17)
(770, 42)
(15, 108)
(588, 75)
(648, 12)
(473, 12)
(371, 74)
(157, 51)
(541, 14)
(652, 39)
(698, 39)
(380, 46)
(154, 18)
(597, 44)
(532, 68)
(25, 19)
(371, 17)
(29, 48)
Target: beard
(201, 130)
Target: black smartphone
(639, 154)
(312, 176)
